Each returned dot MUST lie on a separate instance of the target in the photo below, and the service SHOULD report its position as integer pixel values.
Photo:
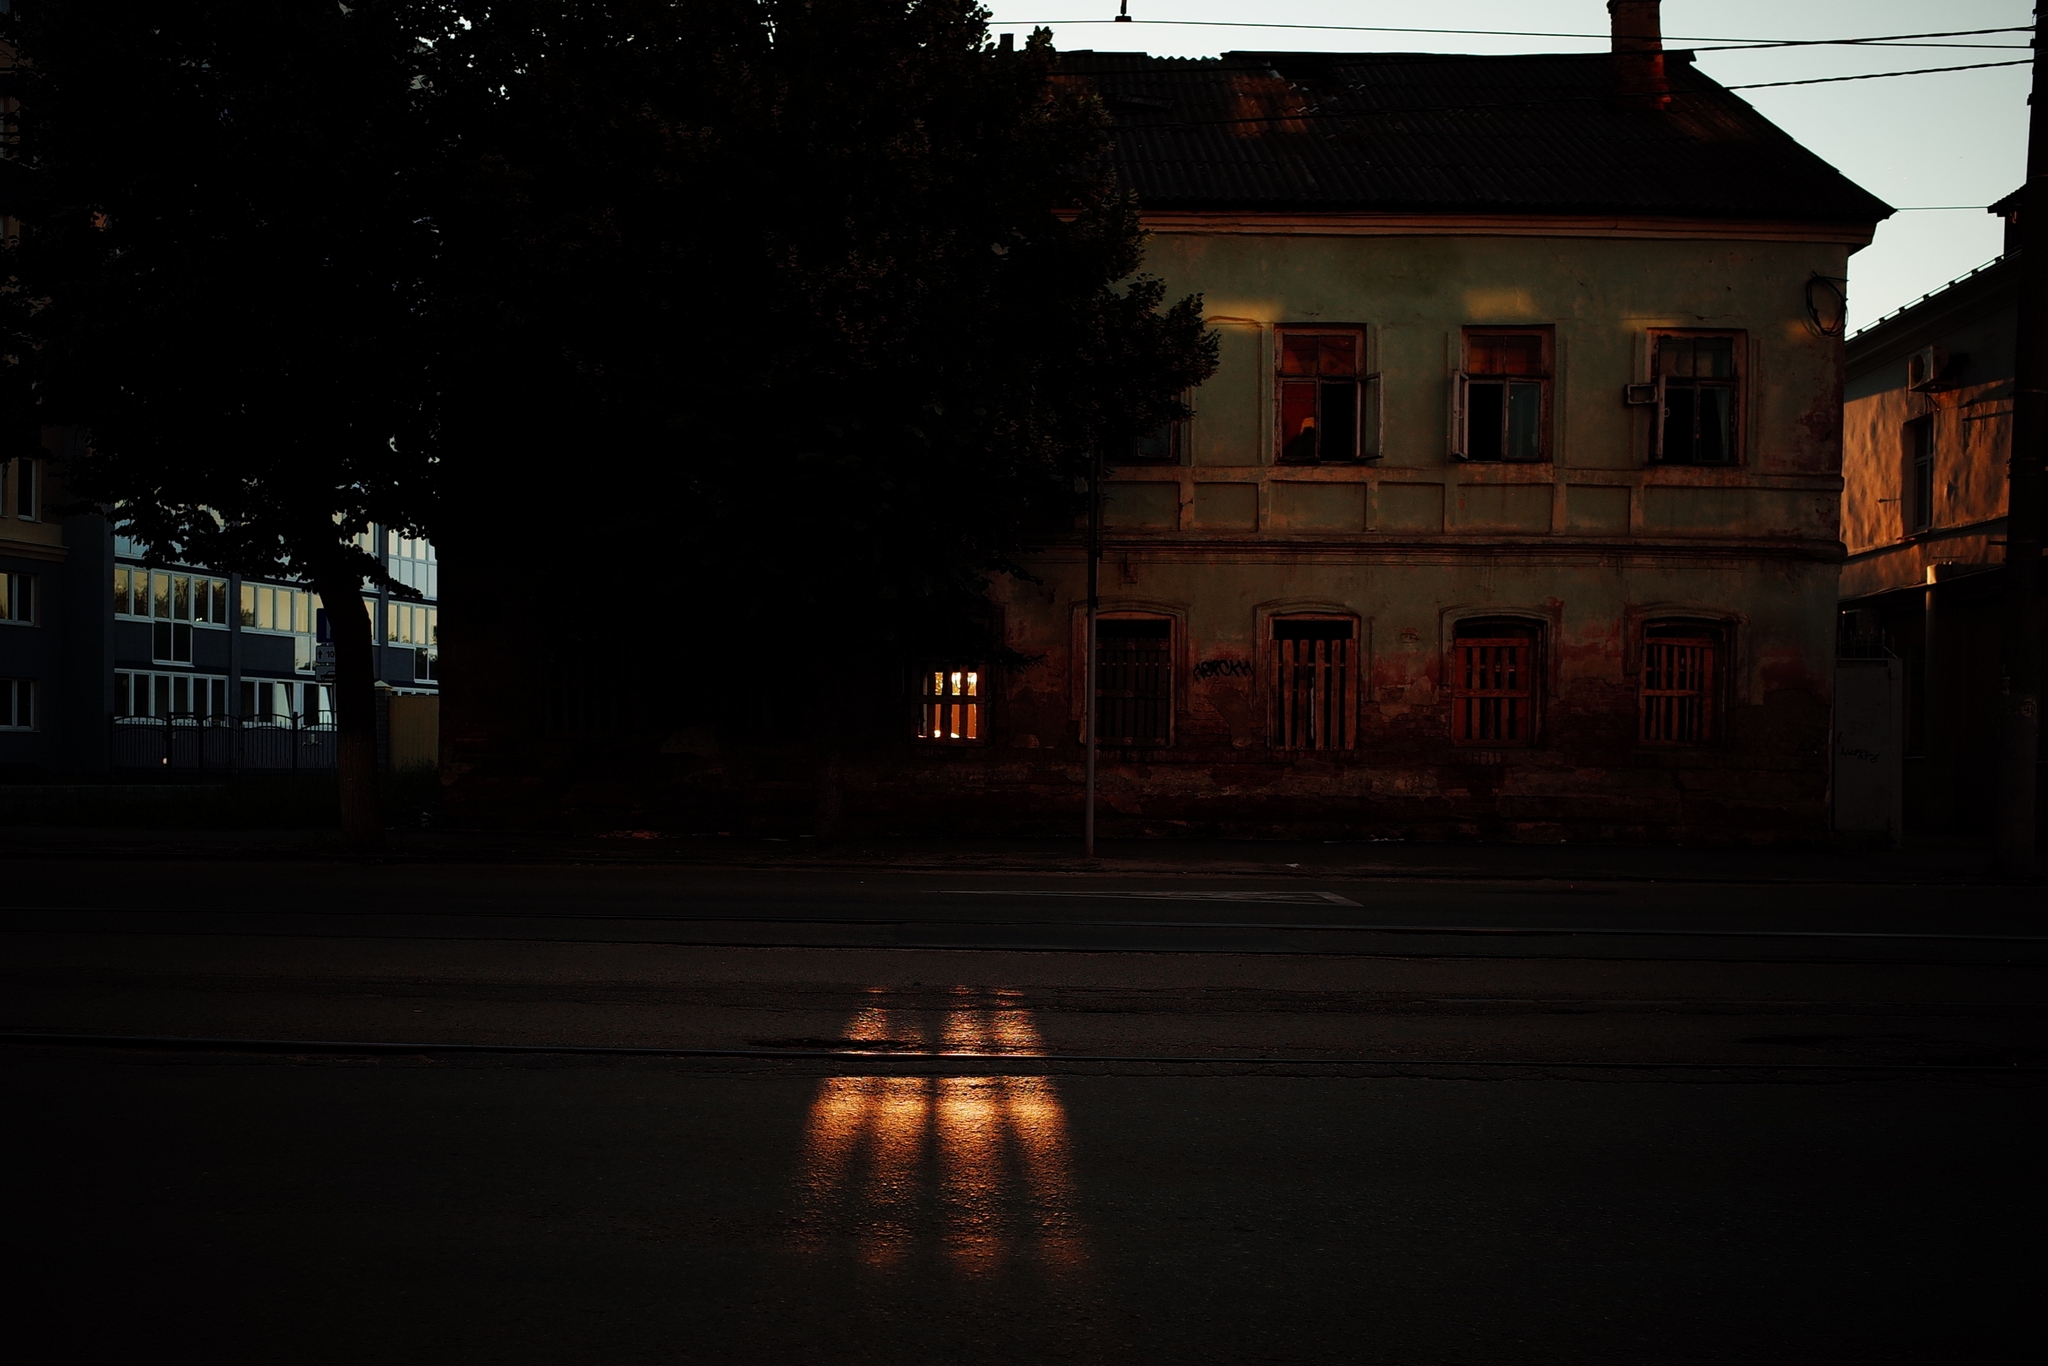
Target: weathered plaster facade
(1594, 230)
(1588, 547)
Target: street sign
(323, 662)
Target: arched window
(1315, 664)
(1134, 681)
(1493, 682)
(1681, 682)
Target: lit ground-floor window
(951, 706)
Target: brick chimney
(1639, 54)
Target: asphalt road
(920, 1117)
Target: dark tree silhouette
(220, 285)
(790, 308)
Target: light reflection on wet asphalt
(973, 1170)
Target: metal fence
(221, 744)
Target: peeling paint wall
(1585, 549)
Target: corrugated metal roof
(1336, 131)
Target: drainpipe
(1088, 669)
(2020, 707)
(1638, 38)
(1938, 791)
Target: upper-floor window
(1328, 405)
(1134, 681)
(951, 707)
(1502, 397)
(1919, 499)
(1681, 682)
(1493, 683)
(411, 623)
(1159, 446)
(1315, 667)
(1698, 398)
(17, 704)
(413, 562)
(162, 595)
(18, 598)
(278, 609)
(28, 488)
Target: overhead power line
(1306, 115)
(1736, 44)
(1880, 75)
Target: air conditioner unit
(1925, 366)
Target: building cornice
(1282, 547)
(33, 550)
(1375, 224)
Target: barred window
(1134, 682)
(951, 708)
(1681, 683)
(1493, 683)
(1314, 663)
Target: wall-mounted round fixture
(1827, 304)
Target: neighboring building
(1511, 512)
(108, 664)
(1927, 438)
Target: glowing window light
(950, 711)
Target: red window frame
(1680, 690)
(1494, 685)
(1313, 681)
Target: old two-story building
(1926, 446)
(1511, 512)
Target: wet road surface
(912, 1118)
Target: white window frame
(252, 596)
(12, 608)
(26, 470)
(216, 685)
(21, 700)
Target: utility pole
(2019, 740)
(1088, 668)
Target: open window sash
(1459, 404)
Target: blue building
(110, 665)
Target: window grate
(1680, 677)
(951, 711)
(1493, 692)
(1134, 682)
(1312, 664)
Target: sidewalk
(1929, 863)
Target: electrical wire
(1307, 115)
(1735, 44)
